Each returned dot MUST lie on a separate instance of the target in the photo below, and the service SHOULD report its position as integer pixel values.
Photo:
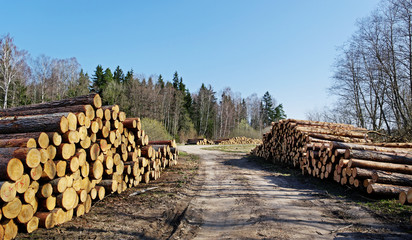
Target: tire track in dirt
(233, 198)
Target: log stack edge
(57, 158)
(343, 153)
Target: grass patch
(183, 154)
(240, 148)
(390, 209)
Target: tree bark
(92, 99)
(392, 178)
(170, 143)
(46, 123)
(385, 190)
(31, 225)
(357, 146)
(30, 156)
(379, 156)
(392, 167)
(87, 110)
(46, 219)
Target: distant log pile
(57, 158)
(238, 140)
(343, 153)
(226, 141)
(199, 141)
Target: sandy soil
(224, 196)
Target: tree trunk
(59, 185)
(19, 142)
(329, 131)
(379, 156)
(67, 199)
(46, 219)
(22, 184)
(49, 171)
(46, 123)
(109, 184)
(30, 156)
(12, 209)
(49, 203)
(356, 146)
(45, 191)
(26, 213)
(92, 99)
(10, 229)
(7, 191)
(392, 178)
(385, 190)
(31, 225)
(87, 110)
(11, 169)
(170, 143)
(392, 167)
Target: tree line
(26, 80)
(373, 73)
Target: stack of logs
(57, 158)
(238, 140)
(343, 153)
(199, 141)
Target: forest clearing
(206, 120)
(59, 166)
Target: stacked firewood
(58, 158)
(343, 153)
(238, 140)
(199, 141)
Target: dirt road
(224, 196)
(234, 198)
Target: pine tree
(182, 86)
(175, 80)
(188, 102)
(118, 75)
(98, 80)
(268, 110)
(243, 110)
(107, 77)
(160, 82)
(279, 113)
(129, 76)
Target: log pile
(58, 158)
(199, 141)
(343, 153)
(239, 140)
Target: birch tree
(12, 64)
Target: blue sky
(286, 47)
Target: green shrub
(243, 129)
(187, 130)
(155, 130)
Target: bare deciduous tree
(12, 65)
